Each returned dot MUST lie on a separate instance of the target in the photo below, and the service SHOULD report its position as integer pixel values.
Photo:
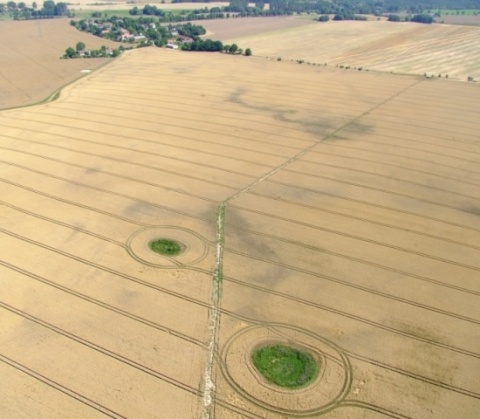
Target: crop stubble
(363, 248)
(406, 48)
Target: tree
(259, 4)
(233, 49)
(248, 52)
(61, 9)
(48, 8)
(393, 18)
(80, 46)
(422, 18)
(70, 53)
(324, 18)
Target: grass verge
(166, 247)
(285, 366)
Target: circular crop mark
(286, 369)
(167, 247)
(285, 366)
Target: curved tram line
(214, 317)
(251, 321)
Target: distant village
(147, 31)
(142, 31)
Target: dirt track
(353, 231)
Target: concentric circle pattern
(330, 386)
(193, 251)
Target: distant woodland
(342, 9)
(49, 10)
(373, 7)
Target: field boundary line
(217, 277)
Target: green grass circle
(285, 366)
(166, 247)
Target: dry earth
(408, 48)
(30, 65)
(352, 229)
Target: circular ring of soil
(327, 387)
(176, 247)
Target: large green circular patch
(166, 247)
(285, 366)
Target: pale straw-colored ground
(352, 229)
(409, 48)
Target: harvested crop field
(224, 29)
(113, 5)
(408, 48)
(461, 20)
(30, 65)
(334, 212)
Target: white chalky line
(209, 384)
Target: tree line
(49, 10)
(81, 51)
(340, 9)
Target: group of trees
(190, 30)
(20, 11)
(214, 46)
(341, 9)
(420, 18)
(147, 10)
(81, 51)
(203, 45)
(233, 49)
(235, 9)
(345, 8)
(348, 16)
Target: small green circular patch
(166, 247)
(285, 366)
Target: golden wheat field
(409, 48)
(30, 65)
(336, 211)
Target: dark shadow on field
(471, 209)
(319, 126)
(248, 243)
